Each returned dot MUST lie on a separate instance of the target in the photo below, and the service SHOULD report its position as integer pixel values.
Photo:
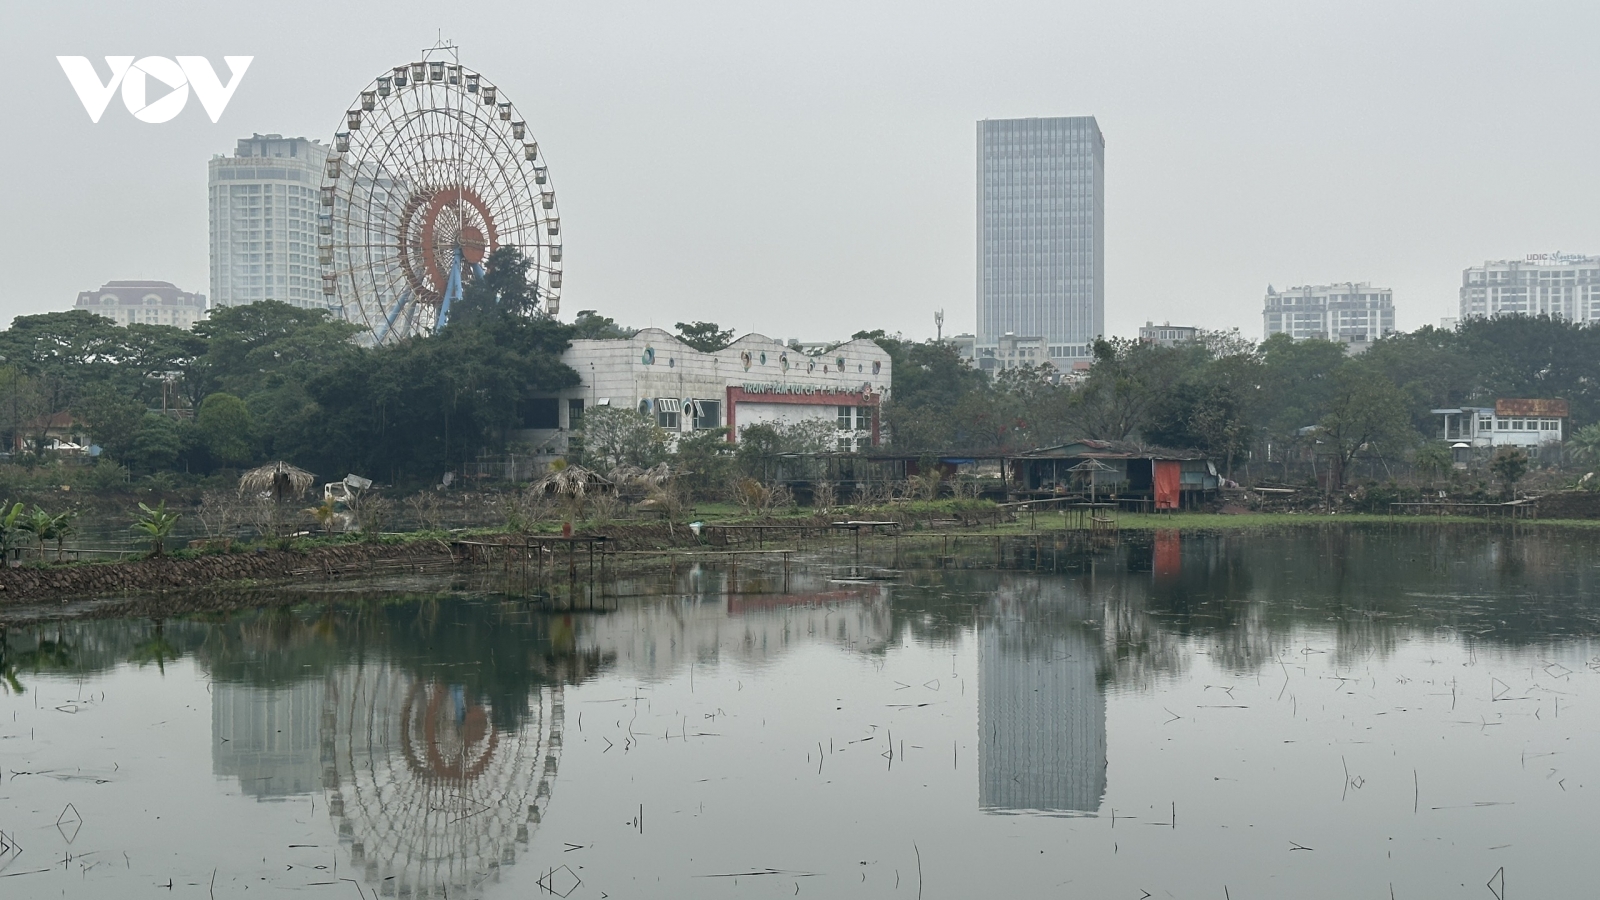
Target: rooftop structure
(144, 302)
(1167, 334)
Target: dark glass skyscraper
(1041, 232)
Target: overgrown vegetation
(1269, 405)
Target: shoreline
(168, 585)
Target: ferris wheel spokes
(428, 177)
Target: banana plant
(40, 527)
(10, 528)
(156, 526)
(61, 528)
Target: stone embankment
(29, 584)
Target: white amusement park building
(755, 379)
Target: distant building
(144, 302)
(1351, 312)
(1012, 351)
(967, 347)
(755, 379)
(264, 211)
(1509, 423)
(1041, 232)
(1561, 285)
(1167, 335)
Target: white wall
(784, 413)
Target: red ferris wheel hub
(435, 225)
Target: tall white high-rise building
(1352, 312)
(264, 222)
(1041, 232)
(1560, 285)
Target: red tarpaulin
(1169, 553)
(1168, 476)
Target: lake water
(1327, 712)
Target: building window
(667, 412)
(1502, 424)
(846, 415)
(539, 412)
(863, 418)
(707, 414)
(574, 415)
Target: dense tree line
(272, 381)
(1239, 400)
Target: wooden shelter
(1127, 473)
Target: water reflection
(432, 729)
(1041, 707)
(270, 739)
(426, 793)
(428, 727)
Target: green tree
(1205, 413)
(112, 418)
(1127, 380)
(265, 346)
(1509, 465)
(504, 290)
(225, 429)
(1432, 460)
(707, 337)
(1584, 445)
(1365, 412)
(613, 436)
(930, 378)
(156, 444)
(62, 528)
(590, 325)
(704, 460)
(1296, 379)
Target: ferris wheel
(428, 795)
(433, 171)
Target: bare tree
(220, 514)
(425, 509)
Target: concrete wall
(784, 414)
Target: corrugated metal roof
(1555, 409)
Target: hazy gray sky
(807, 169)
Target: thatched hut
(572, 483)
(277, 480)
